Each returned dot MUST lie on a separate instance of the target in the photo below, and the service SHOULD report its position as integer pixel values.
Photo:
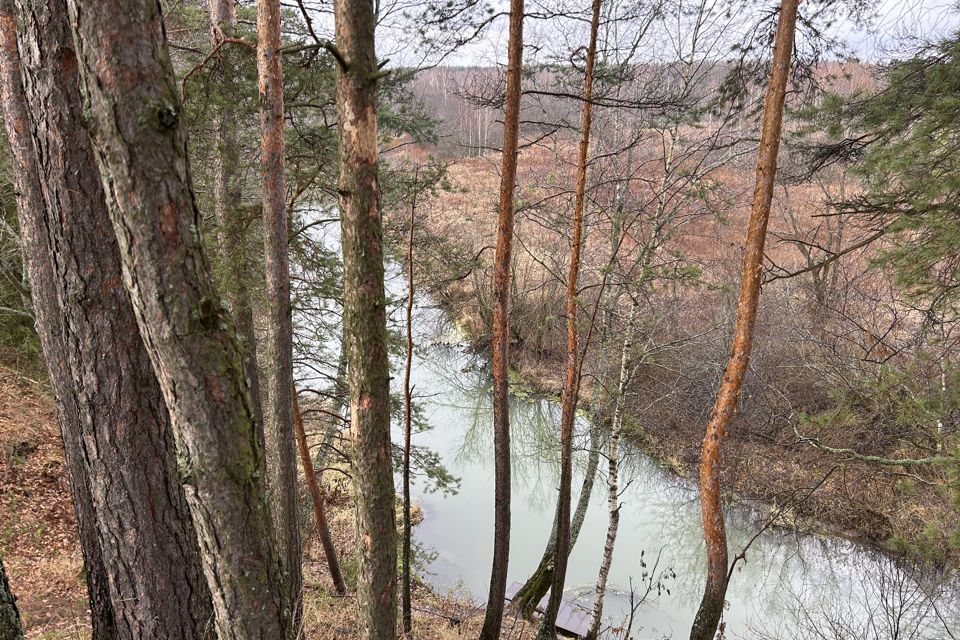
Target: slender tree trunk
(134, 111)
(613, 478)
(538, 583)
(571, 385)
(227, 195)
(408, 428)
(500, 342)
(319, 514)
(11, 627)
(279, 428)
(364, 323)
(115, 424)
(711, 606)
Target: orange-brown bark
(316, 494)
(711, 607)
(571, 383)
(500, 343)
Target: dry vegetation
(41, 551)
(801, 356)
(38, 536)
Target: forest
(441, 319)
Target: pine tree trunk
(613, 477)
(711, 606)
(279, 429)
(364, 323)
(571, 385)
(227, 196)
(319, 513)
(115, 424)
(46, 311)
(134, 113)
(10, 626)
(500, 342)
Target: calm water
(790, 586)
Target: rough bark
(571, 384)
(227, 196)
(613, 477)
(500, 343)
(11, 627)
(365, 325)
(133, 112)
(279, 429)
(711, 606)
(114, 421)
(406, 607)
(46, 313)
(316, 494)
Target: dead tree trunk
(134, 521)
(133, 112)
(613, 475)
(500, 343)
(316, 493)
(407, 610)
(278, 429)
(365, 324)
(537, 585)
(571, 384)
(711, 606)
(227, 194)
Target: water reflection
(788, 585)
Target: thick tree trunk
(500, 343)
(319, 512)
(227, 196)
(46, 311)
(406, 606)
(613, 476)
(711, 606)
(279, 429)
(571, 384)
(10, 626)
(133, 112)
(135, 525)
(365, 324)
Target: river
(790, 585)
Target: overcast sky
(894, 27)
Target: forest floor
(41, 550)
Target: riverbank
(768, 460)
(789, 485)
